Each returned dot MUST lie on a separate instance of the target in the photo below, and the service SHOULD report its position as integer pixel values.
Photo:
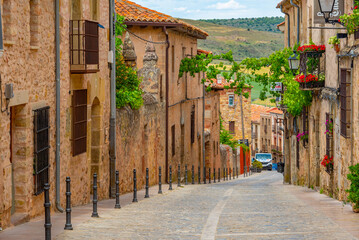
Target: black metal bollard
(234, 174)
(229, 173)
(68, 225)
(134, 186)
(192, 174)
(147, 195)
(237, 171)
(117, 205)
(224, 174)
(179, 176)
(47, 206)
(159, 180)
(94, 200)
(186, 175)
(219, 174)
(199, 175)
(204, 176)
(214, 175)
(170, 181)
(209, 175)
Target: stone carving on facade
(129, 54)
(150, 75)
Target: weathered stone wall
(29, 64)
(230, 113)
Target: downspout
(1, 38)
(298, 19)
(112, 150)
(167, 98)
(352, 112)
(288, 23)
(203, 139)
(58, 110)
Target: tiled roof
(200, 51)
(280, 24)
(137, 13)
(256, 111)
(275, 110)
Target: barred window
(305, 123)
(345, 99)
(329, 134)
(41, 149)
(79, 122)
(232, 128)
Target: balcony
(84, 47)
(312, 70)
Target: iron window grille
(84, 46)
(79, 122)
(345, 99)
(312, 63)
(329, 136)
(41, 149)
(305, 124)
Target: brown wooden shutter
(192, 125)
(91, 42)
(173, 130)
(232, 127)
(345, 97)
(79, 122)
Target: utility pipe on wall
(288, 23)
(112, 150)
(167, 99)
(298, 19)
(1, 37)
(204, 140)
(58, 110)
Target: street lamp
(294, 62)
(326, 8)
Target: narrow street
(257, 207)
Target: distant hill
(268, 24)
(242, 42)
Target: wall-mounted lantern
(326, 8)
(294, 62)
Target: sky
(210, 9)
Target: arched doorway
(95, 138)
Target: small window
(219, 79)
(345, 99)
(305, 123)
(41, 149)
(79, 122)
(329, 127)
(173, 58)
(232, 127)
(173, 131)
(193, 124)
(231, 100)
(183, 52)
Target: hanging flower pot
(337, 48)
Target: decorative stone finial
(129, 53)
(150, 54)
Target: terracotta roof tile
(256, 111)
(137, 13)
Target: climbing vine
(128, 90)
(225, 137)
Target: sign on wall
(277, 87)
(337, 11)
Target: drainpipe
(1, 38)
(112, 150)
(288, 23)
(352, 112)
(298, 19)
(203, 139)
(167, 98)
(57, 69)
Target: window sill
(34, 48)
(9, 43)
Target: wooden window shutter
(79, 122)
(232, 127)
(173, 130)
(193, 124)
(345, 97)
(41, 149)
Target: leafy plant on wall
(128, 91)
(351, 20)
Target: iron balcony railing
(84, 46)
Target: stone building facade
(257, 127)
(158, 64)
(27, 139)
(303, 159)
(266, 132)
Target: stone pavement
(257, 207)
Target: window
(34, 24)
(232, 127)
(79, 122)
(305, 123)
(345, 98)
(7, 19)
(94, 9)
(193, 124)
(41, 149)
(329, 134)
(183, 52)
(173, 131)
(173, 58)
(231, 100)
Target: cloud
(231, 4)
(181, 9)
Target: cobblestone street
(257, 207)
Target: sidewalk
(34, 230)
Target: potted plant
(335, 42)
(302, 136)
(353, 191)
(327, 162)
(330, 127)
(351, 20)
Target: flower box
(312, 85)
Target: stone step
(19, 218)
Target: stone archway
(95, 137)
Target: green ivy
(128, 90)
(225, 137)
(353, 191)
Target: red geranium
(310, 78)
(326, 161)
(311, 48)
